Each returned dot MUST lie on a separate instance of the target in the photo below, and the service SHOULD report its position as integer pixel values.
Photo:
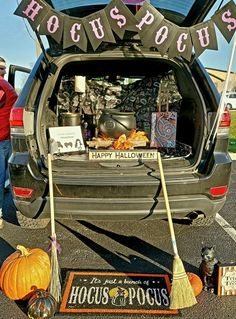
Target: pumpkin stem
(24, 251)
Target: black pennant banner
(74, 33)
(120, 18)
(98, 29)
(204, 37)
(154, 30)
(53, 25)
(33, 11)
(148, 18)
(225, 20)
(181, 44)
(161, 37)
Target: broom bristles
(182, 294)
(55, 282)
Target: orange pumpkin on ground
(24, 271)
(195, 282)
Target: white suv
(230, 100)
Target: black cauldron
(114, 123)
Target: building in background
(219, 76)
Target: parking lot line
(226, 226)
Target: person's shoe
(1, 223)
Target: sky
(18, 45)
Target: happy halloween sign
(116, 18)
(106, 155)
(107, 292)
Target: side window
(17, 77)
(20, 79)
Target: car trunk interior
(83, 89)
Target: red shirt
(8, 97)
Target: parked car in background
(230, 100)
(71, 88)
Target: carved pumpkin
(195, 282)
(24, 271)
(42, 305)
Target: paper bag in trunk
(163, 127)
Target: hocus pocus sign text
(116, 292)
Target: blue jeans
(5, 153)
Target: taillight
(22, 192)
(218, 191)
(16, 117)
(225, 120)
(224, 125)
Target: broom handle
(163, 183)
(53, 232)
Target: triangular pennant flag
(52, 25)
(74, 33)
(98, 29)
(181, 44)
(204, 37)
(33, 10)
(225, 20)
(120, 18)
(161, 37)
(148, 17)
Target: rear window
(181, 6)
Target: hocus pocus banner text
(110, 23)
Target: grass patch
(232, 132)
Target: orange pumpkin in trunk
(24, 271)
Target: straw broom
(55, 282)
(182, 294)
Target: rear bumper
(125, 209)
(102, 199)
